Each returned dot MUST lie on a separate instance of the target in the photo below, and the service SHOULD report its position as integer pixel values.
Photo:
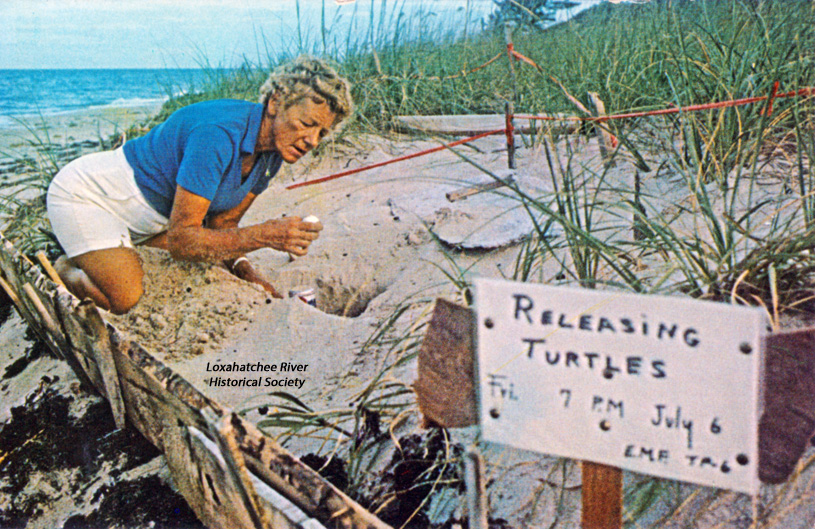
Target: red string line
(399, 159)
(525, 59)
(675, 110)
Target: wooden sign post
(602, 496)
(670, 387)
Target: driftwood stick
(22, 307)
(509, 116)
(511, 59)
(476, 489)
(52, 328)
(606, 139)
(49, 268)
(27, 260)
(465, 192)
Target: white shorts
(94, 203)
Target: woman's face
(299, 128)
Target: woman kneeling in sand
(185, 186)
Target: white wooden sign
(658, 385)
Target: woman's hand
(243, 269)
(291, 234)
(188, 240)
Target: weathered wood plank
(299, 483)
(788, 419)
(200, 472)
(223, 432)
(210, 450)
(445, 388)
(103, 354)
(79, 341)
(152, 392)
(168, 410)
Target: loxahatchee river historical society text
(256, 374)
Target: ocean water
(30, 93)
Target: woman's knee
(117, 274)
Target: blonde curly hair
(308, 76)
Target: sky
(163, 33)
(46, 34)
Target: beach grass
(742, 246)
(22, 199)
(359, 436)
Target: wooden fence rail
(231, 474)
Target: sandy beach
(70, 129)
(393, 242)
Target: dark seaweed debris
(5, 307)
(333, 470)
(422, 467)
(146, 502)
(44, 441)
(35, 350)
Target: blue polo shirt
(199, 148)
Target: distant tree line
(528, 13)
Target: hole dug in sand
(190, 309)
(340, 291)
(334, 297)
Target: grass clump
(719, 234)
(400, 478)
(22, 198)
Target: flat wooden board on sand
(470, 125)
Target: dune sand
(392, 240)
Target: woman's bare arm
(242, 268)
(189, 240)
(231, 218)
